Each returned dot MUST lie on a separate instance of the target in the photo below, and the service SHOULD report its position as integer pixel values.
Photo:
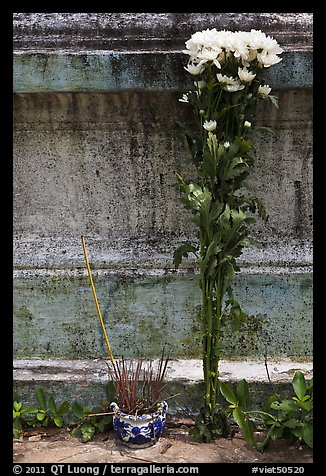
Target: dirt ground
(174, 446)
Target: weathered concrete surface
(145, 31)
(85, 380)
(55, 317)
(104, 165)
(122, 51)
(42, 73)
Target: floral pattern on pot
(139, 431)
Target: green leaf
(87, 431)
(273, 100)
(239, 417)
(307, 434)
(292, 423)
(52, 405)
(237, 313)
(243, 394)
(181, 252)
(77, 410)
(29, 410)
(286, 405)
(213, 249)
(245, 145)
(276, 432)
(209, 163)
(298, 431)
(104, 422)
(228, 393)
(17, 428)
(195, 434)
(269, 401)
(233, 150)
(216, 210)
(233, 170)
(41, 416)
(58, 421)
(308, 405)
(299, 384)
(17, 406)
(41, 398)
(245, 425)
(63, 409)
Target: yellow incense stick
(96, 302)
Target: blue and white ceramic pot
(139, 431)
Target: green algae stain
(56, 317)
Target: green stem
(217, 333)
(208, 318)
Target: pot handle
(114, 407)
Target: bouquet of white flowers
(227, 69)
(229, 62)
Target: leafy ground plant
(290, 418)
(46, 414)
(81, 421)
(21, 415)
(89, 422)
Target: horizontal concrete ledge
(85, 381)
(150, 31)
(33, 253)
(186, 371)
(155, 272)
(48, 72)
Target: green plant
(294, 417)
(21, 415)
(49, 414)
(221, 149)
(290, 418)
(46, 414)
(89, 421)
(81, 421)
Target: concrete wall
(95, 153)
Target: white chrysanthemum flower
(238, 46)
(208, 53)
(264, 90)
(226, 144)
(232, 88)
(184, 98)
(217, 46)
(203, 46)
(266, 59)
(229, 84)
(245, 75)
(265, 48)
(247, 124)
(194, 69)
(223, 79)
(210, 125)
